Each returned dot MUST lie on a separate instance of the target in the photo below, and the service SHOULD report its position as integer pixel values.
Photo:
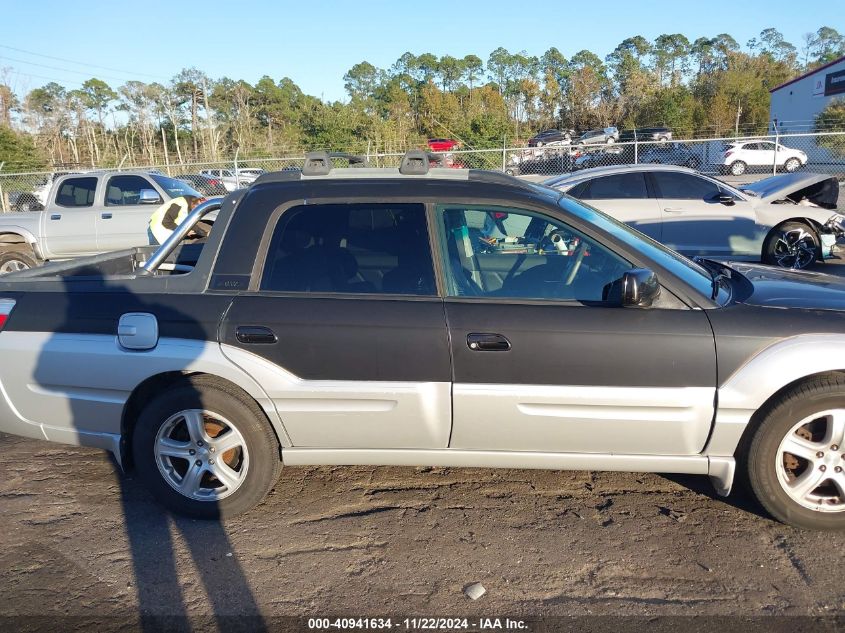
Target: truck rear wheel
(16, 257)
(796, 457)
(205, 449)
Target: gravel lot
(81, 540)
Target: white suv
(739, 156)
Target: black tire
(773, 251)
(15, 257)
(209, 394)
(737, 168)
(792, 165)
(761, 457)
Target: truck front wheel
(205, 449)
(796, 457)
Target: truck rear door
(344, 313)
(69, 225)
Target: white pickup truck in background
(86, 214)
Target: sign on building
(834, 83)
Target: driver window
(502, 252)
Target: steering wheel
(575, 266)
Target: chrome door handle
(106, 216)
(673, 209)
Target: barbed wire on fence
(746, 156)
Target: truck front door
(123, 220)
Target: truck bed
(114, 266)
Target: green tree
(361, 80)
(8, 104)
(96, 95)
(191, 86)
(473, 68)
(822, 47)
(18, 152)
(450, 70)
(832, 119)
(671, 54)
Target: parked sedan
(646, 134)
(784, 220)
(550, 136)
(442, 144)
(228, 178)
(206, 185)
(743, 156)
(670, 154)
(252, 172)
(604, 136)
(602, 158)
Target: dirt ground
(79, 540)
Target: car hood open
(818, 189)
(784, 288)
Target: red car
(442, 144)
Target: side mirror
(149, 196)
(636, 288)
(726, 199)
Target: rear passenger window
(351, 248)
(620, 186)
(77, 192)
(679, 186)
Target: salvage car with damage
(425, 316)
(788, 220)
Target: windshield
(685, 269)
(175, 188)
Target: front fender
(772, 369)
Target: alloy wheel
(810, 462)
(795, 248)
(201, 454)
(13, 266)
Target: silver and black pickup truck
(85, 214)
(425, 316)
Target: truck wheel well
(760, 413)
(154, 385)
(11, 238)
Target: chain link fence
(737, 160)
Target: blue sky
(315, 43)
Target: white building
(795, 104)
